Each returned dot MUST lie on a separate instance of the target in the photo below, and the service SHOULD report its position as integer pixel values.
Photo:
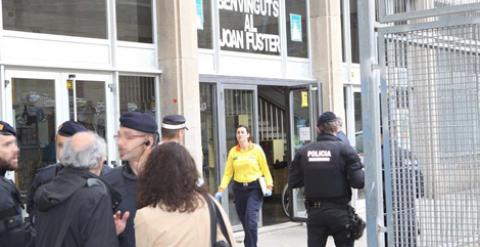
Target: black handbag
(215, 219)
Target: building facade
(272, 65)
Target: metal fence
(401, 10)
(430, 81)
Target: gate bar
(371, 123)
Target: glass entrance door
(31, 101)
(37, 102)
(90, 102)
(303, 114)
(239, 108)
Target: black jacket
(124, 181)
(45, 175)
(328, 169)
(72, 197)
(14, 231)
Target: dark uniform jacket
(75, 200)
(124, 181)
(13, 230)
(328, 169)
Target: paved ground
(293, 234)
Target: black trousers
(329, 220)
(248, 201)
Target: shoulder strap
(223, 226)
(213, 220)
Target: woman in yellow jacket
(246, 163)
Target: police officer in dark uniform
(173, 128)
(136, 137)
(46, 174)
(14, 231)
(328, 169)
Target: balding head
(84, 150)
(82, 141)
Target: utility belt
(9, 219)
(309, 204)
(248, 184)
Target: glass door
(303, 114)
(239, 107)
(32, 103)
(90, 102)
(37, 102)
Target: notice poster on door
(200, 18)
(304, 134)
(296, 27)
(304, 99)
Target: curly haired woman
(172, 207)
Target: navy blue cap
(174, 122)
(139, 121)
(70, 128)
(7, 129)
(326, 117)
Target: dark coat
(79, 198)
(124, 181)
(13, 229)
(43, 176)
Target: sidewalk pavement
(291, 234)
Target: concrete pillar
(325, 25)
(179, 85)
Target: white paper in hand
(263, 185)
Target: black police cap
(174, 122)
(139, 121)
(7, 129)
(70, 128)
(326, 117)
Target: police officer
(136, 137)
(328, 169)
(173, 128)
(46, 174)
(13, 230)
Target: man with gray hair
(75, 208)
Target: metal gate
(429, 75)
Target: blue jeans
(248, 201)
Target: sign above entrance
(250, 26)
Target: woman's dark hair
(169, 180)
(250, 139)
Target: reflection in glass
(297, 32)
(204, 24)
(137, 94)
(358, 122)
(86, 18)
(209, 135)
(301, 119)
(354, 38)
(90, 105)
(34, 111)
(239, 109)
(134, 20)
